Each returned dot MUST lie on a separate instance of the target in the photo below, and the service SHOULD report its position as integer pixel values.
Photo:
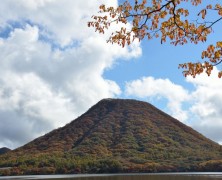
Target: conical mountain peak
(123, 135)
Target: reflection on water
(194, 176)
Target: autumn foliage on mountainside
(168, 20)
(116, 136)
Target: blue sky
(53, 68)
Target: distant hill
(4, 150)
(117, 135)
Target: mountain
(4, 150)
(117, 135)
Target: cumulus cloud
(59, 20)
(206, 106)
(202, 108)
(148, 87)
(52, 66)
(29, 107)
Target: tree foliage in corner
(167, 20)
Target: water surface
(158, 176)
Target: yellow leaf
(219, 44)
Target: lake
(157, 176)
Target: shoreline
(66, 176)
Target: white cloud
(207, 98)
(29, 107)
(52, 66)
(148, 87)
(204, 111)
(60, 20)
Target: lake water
(158, 176)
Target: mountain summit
(118, 135)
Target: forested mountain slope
(117, 135)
